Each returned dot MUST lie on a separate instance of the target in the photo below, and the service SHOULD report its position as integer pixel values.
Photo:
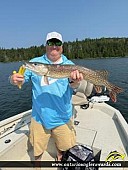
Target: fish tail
(116, 89)
(113, 91)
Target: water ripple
(14, 101)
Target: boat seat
(82, 92)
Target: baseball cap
(54, 35)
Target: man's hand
(75, 78)
(17, 79)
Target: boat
(98, 125)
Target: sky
(25, 23)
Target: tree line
(87, 48)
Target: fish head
(36, 67)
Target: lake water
(14, 101)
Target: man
(52, 107)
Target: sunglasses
(52, 43)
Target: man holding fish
(53, 79)
(52, 106)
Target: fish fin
(46, 80)
(98, 89)
(103, 73)
(113, 96)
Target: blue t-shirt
(51, 103)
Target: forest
(87, 48)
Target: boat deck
(101, 131)
(99, 126)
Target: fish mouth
(27, 65)
(36, 67)
(30, 66)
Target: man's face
(54, 49)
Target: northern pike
(97, 78)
